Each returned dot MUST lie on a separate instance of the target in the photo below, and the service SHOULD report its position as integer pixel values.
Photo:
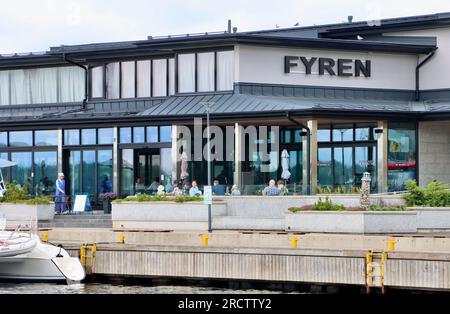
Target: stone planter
(352, 222)
(164, 215)
(23, 214)
(432, 218)
(106, 204)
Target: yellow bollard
(121, 238)
(205, 239)
(391, 244)
(44, 236)
(294, 242)
(83, 255)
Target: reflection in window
(139, 134)
(342, 133)
(401, 155)
(186, 73)
(126, 173)
(88, 137)
(105, 135)
(21, 173)
(125, 135)
(20, 138)
(72, 137)
(323, 135)
(343, 161)
(3, 139)
(152, 134)
(46, 138)
(104, 164)
(88, 172)
(45, 172)
(74, 171)
(165, 134)
(324, 166)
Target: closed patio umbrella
(285, 174)
(184, 166)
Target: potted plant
(106, 199)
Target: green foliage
(17, 195)
(327, 205)
(187, 198)
(339, 189)
(295, 209)
(387, 208)
(159, 198)
(434, 194)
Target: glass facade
(345, 152)
(105, 135)
(402, 155)
(46, 138)
(72, 137)
(88, 137)
(21, 173)
(45, 172)
(20, 138)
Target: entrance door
(148, 163)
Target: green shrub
(187, 198)
(327, 205)
(159, 198)
(17, 195)
(387, 208)
(295, 209)
(434, 194)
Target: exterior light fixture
(303, 133)
(378, 131)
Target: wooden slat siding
(418, 273)
(318, 269)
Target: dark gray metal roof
(243, 104)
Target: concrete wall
(435, 73)
(24, 215)
(257, 64)
(434, 151)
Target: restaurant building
(341, 99)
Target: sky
(36, 25)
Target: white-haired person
(60, 194)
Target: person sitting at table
(194, 190)
(217, 188)
(271, 189)
(153, 188)
(139, 186)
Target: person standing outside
(60, 199)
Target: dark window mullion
(151, 78)
(215, 70)
(196, 73)
(167, 77)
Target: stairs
(86, 220)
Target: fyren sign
(339, 67)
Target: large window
(159, 78)
(46, 138)
(128, 79)
(45, 172)
(205, 71)
(143, 78)
(186, 73)
(97, 82)
(20, 138)
(127, 172)
(402, 151)
(21, 173)
(112, 80)
(41, 85)
(345, 152)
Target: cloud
(27, 25)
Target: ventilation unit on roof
(350, 18)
